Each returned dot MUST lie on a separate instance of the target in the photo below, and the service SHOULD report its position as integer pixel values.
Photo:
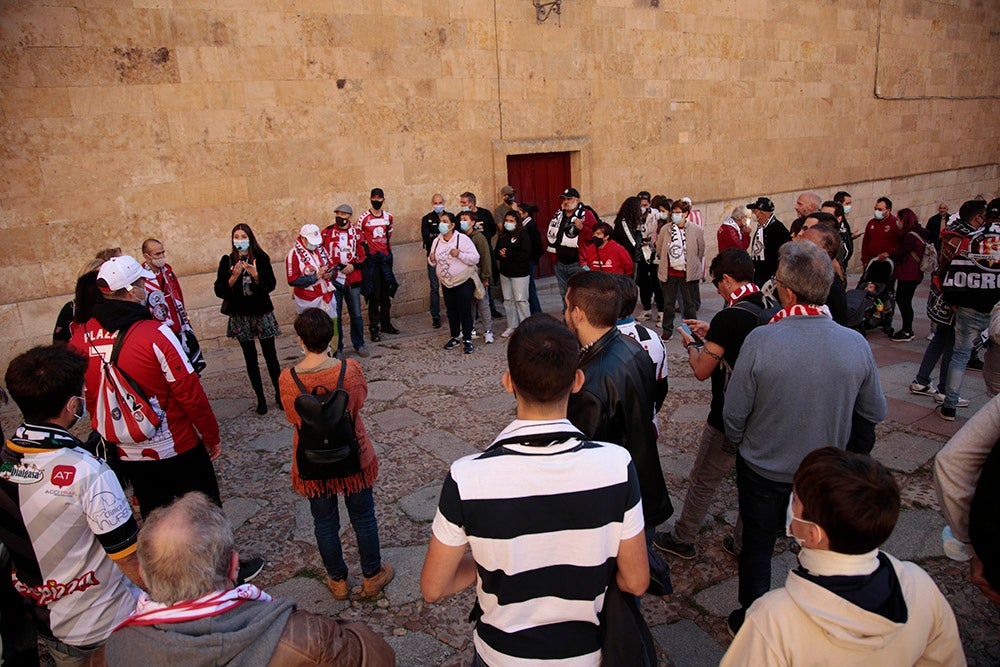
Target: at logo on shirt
(63, 476)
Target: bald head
(808, 202)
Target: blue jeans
(534, 306)
(563, 273)
(762, 510)
(969, 324)
(326, 525)
(354, 310)
(432, 278)
(940, 347)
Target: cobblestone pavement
(427, 406)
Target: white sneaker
(475, 335)
(488, 336)
(659, 320)
(507, 333)
(962, 402)
(644, 315)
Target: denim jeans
(515, 299)
(762, 509)
(563, 273)
(432, 279)
(353, 294)
(64, 655)
(969, 324)
(534, 305)
(326, 525)
(940, 347)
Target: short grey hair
(185, 549)
(807, 271)
(814, 197)
(740, 212)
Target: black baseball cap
(762, 204)
(570, 193)
(643, 195)
(993, 209)
(377, 192)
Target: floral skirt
(248, 327)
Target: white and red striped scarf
(742, 293)
(149, 612)
(801, 309)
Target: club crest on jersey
(18, 473)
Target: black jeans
(379, 302)
(458, 302)
(649, 285)
(904, 299)
(763, 504)
(688, 290)
(157, 483)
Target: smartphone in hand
(686, 330)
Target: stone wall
(123, 119)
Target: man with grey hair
(778, 365)
(734, 232)
(194, 614)
(808, 202)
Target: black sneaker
(452, 344)
(375, 337)
(729, 546)
(946, 412)
(436, 323)
(735, 621)
(249, 568)
(666, 543)
(467, 347)
(497, 315)
(901, 337)
(389, 329)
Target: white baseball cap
(311, 233)
(121, 272)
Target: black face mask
(508, 198)
(599, 242)
(376, 204)
(342, 222)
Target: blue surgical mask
(443, 227)
(466, 208)
(242, 244)
(879, 214)
(510, 226)
(438, 208)
(847, 208)
(661, 215)
(465, 225)
(311, 246)
(676, 218)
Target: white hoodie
(805, 624)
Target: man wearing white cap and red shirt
(178, 457)
(309, 269)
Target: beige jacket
(695, 250)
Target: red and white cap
(121, 272)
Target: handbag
(625, 637)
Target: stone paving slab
(230, 408)
(899, 373)
(443, 380)
(385, 390)
(722, 598)
(688, 383)
(408, 561)
(905, 452)
(309, 594)
(917, 535)
(240, 510)
(444, 445)
(503, 402)
(690, 412)
(273, 442)
(418, 649)
(687, 644)
(421, 505)
(397, 418)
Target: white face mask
(879, 214)
(661, 215)
(159, 263)
(676, 218)
(789, 517)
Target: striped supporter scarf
(742, 293)
(148, 612)
(801, 309)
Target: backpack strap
(751, 308)
(343, 372)
(116, 349)
(295, 377)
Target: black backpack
(328, 445)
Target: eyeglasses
(716, 281)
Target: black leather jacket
(615, 405)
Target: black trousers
(157, 483)
(458, 300)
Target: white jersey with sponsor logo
(64, 517)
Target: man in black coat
(615, 403)
(771, 234)
(429, 232)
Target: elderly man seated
(194, 614)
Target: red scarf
(148, 612)
(801, 310)
(742, 293)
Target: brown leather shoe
(339, 588)
(374, 585)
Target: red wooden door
(539, 179)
